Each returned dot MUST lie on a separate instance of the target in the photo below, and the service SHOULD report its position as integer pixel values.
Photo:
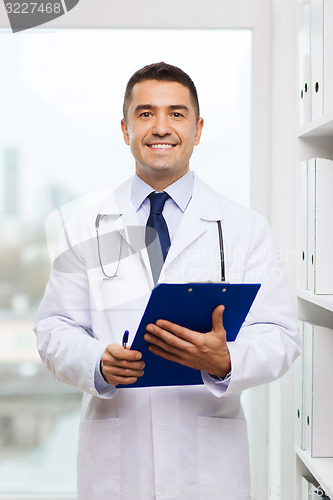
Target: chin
(161, 168)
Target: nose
(161, 125)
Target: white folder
(328, 57)
(299, 397)
(311, 211)
(317, 58)
(307, 375)
(303, 246)
(304, 64)
(320, 235)
(318, 374)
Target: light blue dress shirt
(180, 193)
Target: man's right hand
(121, 366)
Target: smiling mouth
(161, 146)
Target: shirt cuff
(103, 388)
(215, 386)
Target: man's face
(161, 130)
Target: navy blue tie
(157, 247)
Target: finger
(123, 372)
(170, 338)
(167, 330)
(166, 354)
(122, 380)
(119, 352)
(165, 344)
(109, 361)
(115, 375)
(217, 319)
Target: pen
(125, 338)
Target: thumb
(217, 319)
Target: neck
(160, 182)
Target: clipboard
(190, 305)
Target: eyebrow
(173, 107)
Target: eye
(145, 114)
(176, 114)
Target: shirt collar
(180, 191)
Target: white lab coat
(169, 442)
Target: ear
(198, 131)
(124, 129)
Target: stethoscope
(115, 275)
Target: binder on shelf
(328, 57)
(317, 58)
(299, 396)
(311, 214)
(303, 247)
(190, 305)
(321, 58)
(304, 65)
(318, 372)
(308, 389)
(320, 236)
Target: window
(60, 140)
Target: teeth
(161, 146)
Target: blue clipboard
(190, 305)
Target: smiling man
(163, 442)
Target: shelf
(325, 301)
(320, 468)
(322, 127)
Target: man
(162, 442)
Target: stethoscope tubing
(115, 275)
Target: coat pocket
(99, 459)
(223, 459)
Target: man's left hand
(202, 351)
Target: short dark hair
(162, 72)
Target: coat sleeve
(268, 342)
(65, 338)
